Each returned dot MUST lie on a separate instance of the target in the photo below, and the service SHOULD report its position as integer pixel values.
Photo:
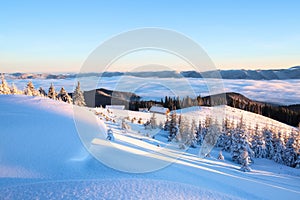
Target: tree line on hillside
(283, 114)
(75, 98)
(242, 141)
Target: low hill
(103, 97)
(286, 114)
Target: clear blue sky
(59, 35)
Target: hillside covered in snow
(45, 154)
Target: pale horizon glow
(58, 36)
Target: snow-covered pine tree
(78, 98)
(193, 127)
(173, 126)
(210, 139)
(213, 134)
(153, 121)
(167, 123)
(279, 148)
(200, 133)
(240, 143)
(290, 155)
(14, 89)
(64, 96)
(184, 130)
(30, 90)
(235, 145)
(52, 93)
(42, 92)
(179, 120)
(4, 88)
(245, 160)
(193, 134)
(223, 137)
(203, 129)
(258, 145)
(268, 136)
(230, 132)
(208, 121)
(220, 156)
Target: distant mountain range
(271, 74)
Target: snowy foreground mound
(42, 157)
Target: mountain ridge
(259, 74)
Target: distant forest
(286, 114)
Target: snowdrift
(42, 156)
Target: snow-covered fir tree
(200, 133)
(229, 134)
(290, 155)
(78, 98)
(173, 126)
(222, 140)
(183, 135)
(64, 96)
(208, 121)
(203, 129)
(153, 122)
(240, 143)
(258, 144)
(193, 134)
(210, 139)
(235, 146)
(278, 148)
(268, 136)
(15, 90)
(4, 88)
(30, 90)
(220, 156)
(213, 133)
(51, 92)
(42, 92)
(245, 160)
(167, 123)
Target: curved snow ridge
(111, 189)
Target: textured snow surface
(42, 157)
(110, 189)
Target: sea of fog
(284, 92)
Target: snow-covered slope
(42, 157)
(251, 119)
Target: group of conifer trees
(242, 141)
(77, 96)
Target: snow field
(42, 156)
